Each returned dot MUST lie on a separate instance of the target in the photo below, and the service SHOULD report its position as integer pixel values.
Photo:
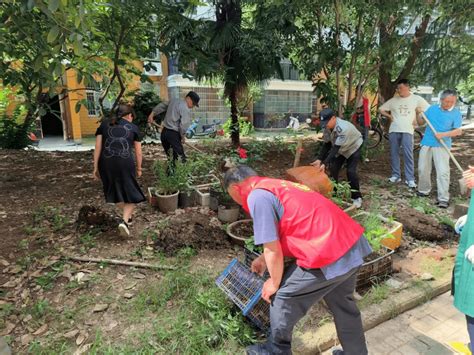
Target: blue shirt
(442, 121)
(266, 211)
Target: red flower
(242, 153)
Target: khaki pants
(441, 162)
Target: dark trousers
(470, 330)
(299, 290)
(172, 140)
(351, 165)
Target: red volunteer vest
(313, 229)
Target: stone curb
(313, 342)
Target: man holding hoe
(290, 220)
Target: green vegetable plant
(375, 231)
(342, 192)
(170, 177)
(250, 245)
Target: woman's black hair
(121, 111)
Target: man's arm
(274, 260)
(453, 133)
(385, 110)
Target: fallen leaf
(41, 330)
(11, 283)
(128, 295)
(26, 339)
(7, 329)
(80, 339)
(27, 318)
(71, 333)
(120, 276)
(65, 239)
(139, 276)
(15, 269)
(111, 325)
(90, 322)
(25, 294)
(4, 262)
(130, 286)
(100, 307)
(83, 349)
(36, 273)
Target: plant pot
(231, 231)
(202, 195)
(394, 232)
(186, 199)
(374, 270)
(167, 203)
(215, 195)
(152, 199)
(228, 214)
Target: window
(92, 102)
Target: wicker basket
(244, 288)
(375, 270)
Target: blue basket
(244, 288)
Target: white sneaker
(123, 229)
(411, 184)
(357, 202)
(394, 179)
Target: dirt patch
(190, 230)
(422, 226)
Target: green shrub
(245, 127)
(143, 104)
(13, 134)
(170, 176)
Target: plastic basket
(244, 288)
(250, 256)
(375, 270)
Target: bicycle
(379, 129)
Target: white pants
(441, 162)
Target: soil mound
(190, 230)
(422, 226)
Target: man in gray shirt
(175, 123)
(342, 145)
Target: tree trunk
(234, 127)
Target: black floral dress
(116, 163)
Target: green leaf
(78, 106)
(38, 64)
(53, 34)
(64, 3)
(53, 5)
(42, 111)
(31, 4)
(77, 46)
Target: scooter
(208, 130)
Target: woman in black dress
(115, 166)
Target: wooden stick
(121, 262)
(299, 147)
(193, 147)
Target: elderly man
(446, 120)
(175, 123)
(402, 111)
(291, 220)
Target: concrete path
(426, 329)
(59, 144)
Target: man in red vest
(328, 246)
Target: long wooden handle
(442, 143)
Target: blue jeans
(403, 141)
(470, 330)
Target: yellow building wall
(83, 125)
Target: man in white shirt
(402, 111)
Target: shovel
(462, 182)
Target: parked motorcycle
(207, 130)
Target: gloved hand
(460, 224)
(469, 254)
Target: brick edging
(313, 342)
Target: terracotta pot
(152, 197)
(167, 203)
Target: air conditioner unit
(152, 68)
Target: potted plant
(342, 196)
(227, 209)
(379, 263)
(170, 177)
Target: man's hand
(139, 172)
(258, 265)
(439, 136)
(183, 139)
(317, 164)
(469, 255)
(269, 289)
(95, 174)
(468, 176)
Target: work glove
(460, 224)
(469, 254)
